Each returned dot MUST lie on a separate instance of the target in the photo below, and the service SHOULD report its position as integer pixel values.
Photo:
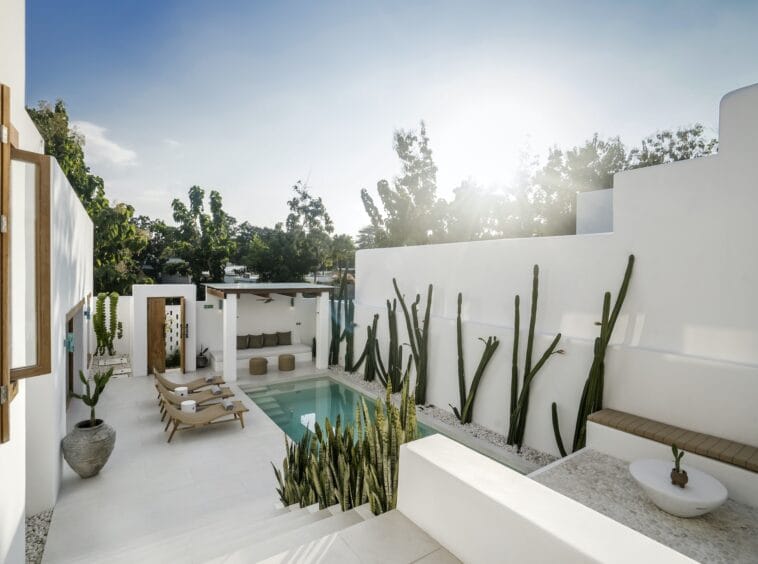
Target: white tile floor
(151, 490)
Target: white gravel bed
(532, 456)
(37, 527)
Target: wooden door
(156, 335)
(182, 335)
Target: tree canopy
(540, 201)
(117, 240)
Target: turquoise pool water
(297, 406)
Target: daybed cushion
(284, 338)
(270, 352)
(255, 341)
(270, 340)
(242, 342)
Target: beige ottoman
(286, 362)
(258, 366)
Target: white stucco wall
(13, 480)
(685, 350)
(71, 275)
(594, 212)
(137, 321)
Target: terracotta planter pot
(679, 478)
(87, 449)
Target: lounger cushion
(255, 341)
(270, 340)
(284, 338)
(242, 342)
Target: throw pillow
(285, 338)
(270, 340)
(255, 341)
(242, 342)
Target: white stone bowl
(703, 492)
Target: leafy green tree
(309, 221)
(412, 214)
(590, 166)
(368, 237)
(343, 251)
(203, 240)
(669, 146)
(161, 238)
(281, 256)
(117, 240)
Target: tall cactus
(466, 412)
(369, 353)
(393, 373)
(106, 335)
(592, 394)
(520, 406)
(418, 337)
(349, 334)
(336, 305)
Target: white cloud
(98, 149)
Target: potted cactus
(90, 443)
(113, 330)
(678, 476)
(201, 359)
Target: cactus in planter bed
(466, 412)
(105, 335)
(369, 352)
(592, 394)
(336, 305)
(394, 371)
(520, 402)
(349, 334)
(419, 338)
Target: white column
(229, 337)
(322, 331)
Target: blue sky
(248, 97)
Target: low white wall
(685, 349)
(138, 321)
(594, 212)
(482, 511)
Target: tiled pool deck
(159, 502)
(728, 535)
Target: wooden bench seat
(731, 452)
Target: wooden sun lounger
(192, 385)
(216, 413)
(202, 398)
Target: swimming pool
(297, 406)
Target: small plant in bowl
(678, 476)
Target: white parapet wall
(685, 349)
(483, 512)
(594, 211)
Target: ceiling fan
(266, 300)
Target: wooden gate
(156, 335)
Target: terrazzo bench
(723, 450)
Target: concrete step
(236, 536)
(286, 540)
(390, 537)
(171, 542)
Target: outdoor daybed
(301, 352)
